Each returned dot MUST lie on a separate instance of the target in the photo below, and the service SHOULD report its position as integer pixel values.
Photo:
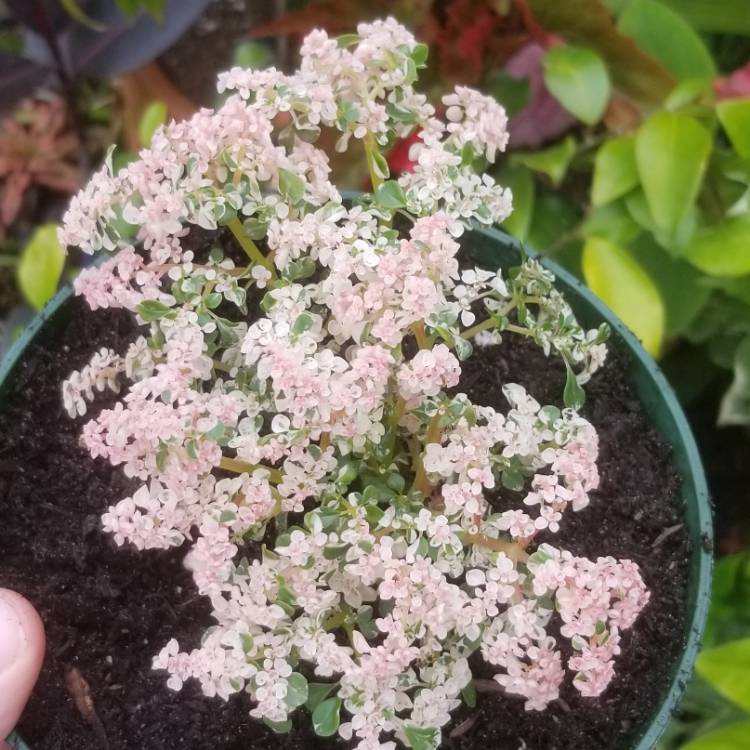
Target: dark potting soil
(108, 610)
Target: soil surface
(108, 610)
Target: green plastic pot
(494, 248)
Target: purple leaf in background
(543, 118)
(19, 77)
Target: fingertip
(21, 654)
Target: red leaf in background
(543, 118)
(398, 156)
(733, 85)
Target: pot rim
(694, 486)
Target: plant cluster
(359, 526)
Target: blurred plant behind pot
(715, 714)
(642, 184)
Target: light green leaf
(734, 115)
(297, 691)
(727, 667)
(280, 727)
(735, 410)
(671, 151)
(724, 249)
(574, 397)
(665, 35)
(390, 195)
(291, 186)
(152, 309)
(326, 718)
(40, 266)
(421, 738)
(153, 116)
(577, 77)
(553, 161)
(734, 736)
(615, 170)
(521, 183)
(613, 274)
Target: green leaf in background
(671, 152)
(554, 219)
(252, 55)
(734, 115)
(589, 23)
(729, 616)
(153, 116)
(577, 77)
(665, 35)
(679, 284)
(724, 249)
(521, 183)
(724, 16)
(690, 91)
(727, 669)
(615, 170)
(613, 222)
(735, 404)
(40, 266)
(613, 274)
(77, 13)
(552, 161)
(326, 718)
(734, 736)
(512, 93)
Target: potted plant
(338, 408)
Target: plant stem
(252, 250)
(485, 325)
(423, 340)
(325, 441)
(237, 466)
(421, 482)
(371, 148)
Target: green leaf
(735, 736)
(420, 54)
(252, 55)
(574, 397)
(469, 694)
(421, 738)
(390, 195)
(671, 151)
(615, 170)
(326, 717)
(74, 10)
(589, 23)
(317, 692)
(554, 216)
(735, 404)
(727, 669)
(280, 727)
(613, 274)
(291, 186)
(512, 93)
(681, 286)
(577, 77)
(302, 323)
(553, 161)
(613, 222)
(734, 115)
(297, 690)
(152, 309)
(153, 116)
(248, 642)
(724, 249)
(40, 266)
(727, 16)
(665, 35)
(521, 182)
